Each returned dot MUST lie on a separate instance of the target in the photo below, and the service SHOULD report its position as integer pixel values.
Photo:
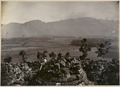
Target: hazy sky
(55, 11)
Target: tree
(8, 59)
(41, 56)
(103, 48)
(38, 55)
(52, 55)
(84, 48)
(22, 53)
(44, 54)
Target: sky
(21, 11)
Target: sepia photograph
(59, 43)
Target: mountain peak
(34, 21)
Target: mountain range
(81, 27)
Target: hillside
(85, 27)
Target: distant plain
(54, 44)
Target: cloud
(54, 11)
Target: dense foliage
(59, 69)
(93, 42)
